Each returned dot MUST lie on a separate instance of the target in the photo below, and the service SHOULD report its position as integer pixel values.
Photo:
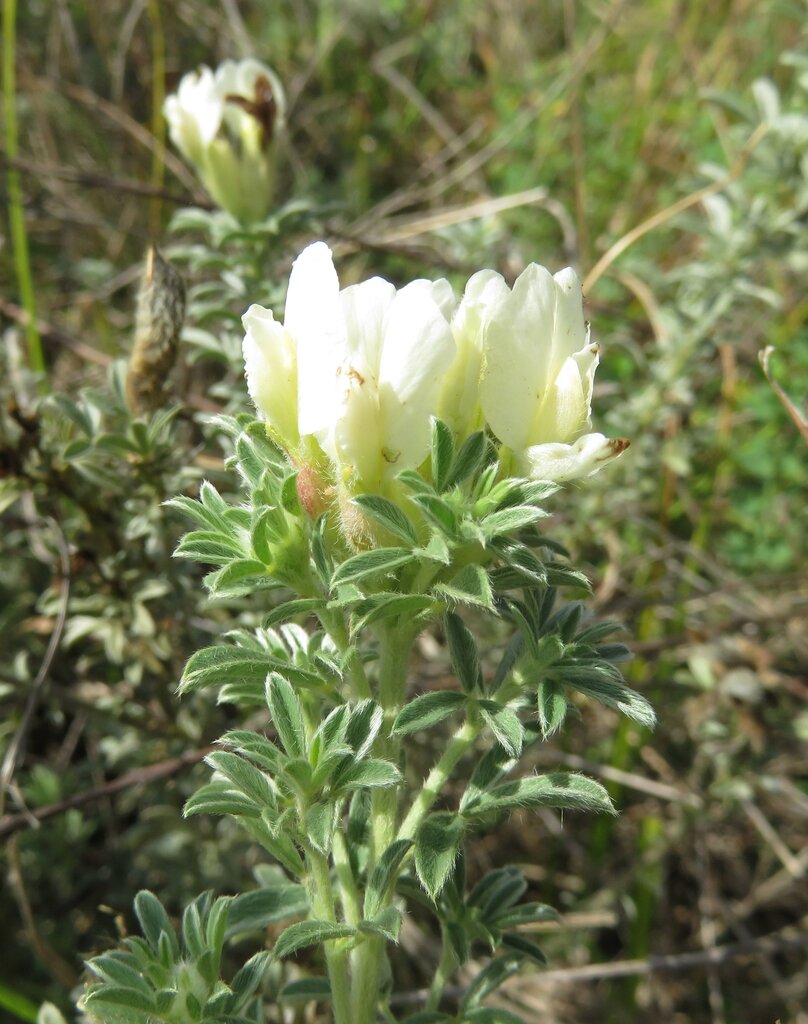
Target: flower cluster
(223, 123)
(351, 379)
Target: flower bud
(224, 123)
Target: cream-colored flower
(368, 361)
(223, 123)
(538, 375)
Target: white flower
(538, 375)
(223, 124)
(369, 365)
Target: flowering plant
(394, 482)
(224, 123)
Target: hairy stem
(322, 904)
(444, 971)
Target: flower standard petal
(517, 350)
(418, 349)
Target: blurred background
(661, 148)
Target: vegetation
(660, 149)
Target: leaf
(230, 663)
(525, 914)
(491, 1015)
(253, 911)
(509, 520)
(497, 891)
(437, 511)
(319, 823)
(363, 726)
(306, 990)
(383, 875)
(387, 924)
(388, 605)
(552, 704)
(504, 724)
(255, 748)
(244, 776)
(436, 848)
(388, 515)
(470, 586)
(487, 981)
(524, 947)
(287, 714)
(370, 563)
(310, 933)
(442, 454)
(463, 652)
(248, 978)
(469, 459)
(113, 995)
(219, 798)
(426, 711)
(489, 769)
(154, 921)
(613, 694)
(555, 789)
(208, 547)
(370, 774)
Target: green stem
(321, 896)
(351, 898)
(445, 969)
(16, 212)
(460, 743)
(334, 624)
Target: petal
(569, 331)
(418, 349)
(564, 413)
(270, 362)
(559, 462)
(364, 307)
(314, 319)
(517, 351)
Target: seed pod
(159, 315)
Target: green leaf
(613, 694)
(114, 996)
(552, 704)
(253, 911)
(487, 981)
(383, 875)
(427, 710)
(555, 789)
(519, 944)
(248, 978)
(491, 1015)
(230, 663)
(387, 925)
(255, 748)
(310, 933)
(469, 459)
(244, 776)
(154, 921)
(193, 936)
(238, 577)
(470, 586)
(388, 605)
(387, 515)
(370, 563)
(208, 547)
(289, 609)
(363, 726)
(437, 511)
(413, 480)
(562, 576)
(463, 652)
(219, 798)
(495, 763)
(436, 550)
(504, 724)
(442, 454)
(306, 990)
(319, 823)
(370, 774)
(436, 847)
(525, 914)
(509, 520)
(287, 714)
